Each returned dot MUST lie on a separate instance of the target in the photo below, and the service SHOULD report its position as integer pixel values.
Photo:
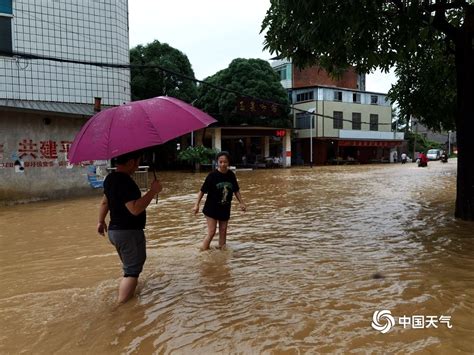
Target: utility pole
(311, 118)
(192, 132)
(311, 141)
(449, 143)
(414, 139)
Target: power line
(183, 76)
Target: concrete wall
(39, 143)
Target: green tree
(151, 82)
(422, 144)
(435, 36)
(428, 92)
(253, 77)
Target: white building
(44, 102)
(336, 120)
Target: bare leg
(127, 289)
(222, 233)
(211, 231)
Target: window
(337, 121)
(374, 122)
(337, 95)
(356, 120)
(303, 120)
(374, 99)
(6, 25)
(356, 98)
(304, 96)
(6, 7)
(282, 73)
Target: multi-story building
(336, 120)
(47, 92)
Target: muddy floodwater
(316, 254)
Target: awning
(49, 107)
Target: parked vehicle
(434, 154)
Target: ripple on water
(317, 252)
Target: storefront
(334, 151)
(250, 146)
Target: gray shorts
(131, 248)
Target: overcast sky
(211, 32)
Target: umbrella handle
(154, 175)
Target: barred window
(303, 120)
(374, 122)
(337, 121)
(356, 120)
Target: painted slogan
(36, 154)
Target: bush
(197, 155)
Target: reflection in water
(318, 251)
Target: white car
(434, 154)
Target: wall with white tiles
(83, 30)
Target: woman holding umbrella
(122, 197)
(115, 132)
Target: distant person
(444, 157)
(276, 161)
(123, 199)
(219, 186)
(395, 156)
(404, 158)
(423, 160)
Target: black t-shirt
(120, 189)
(220, 188)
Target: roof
(50, 107)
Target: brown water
(298, 276)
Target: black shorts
(131, 247)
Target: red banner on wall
(360, 143)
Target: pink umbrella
(134, 126)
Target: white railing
(351, 134)
(140, 176)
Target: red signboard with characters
(368, 143)
(252, 107)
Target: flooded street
(316, 254)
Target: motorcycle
(444, 158)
